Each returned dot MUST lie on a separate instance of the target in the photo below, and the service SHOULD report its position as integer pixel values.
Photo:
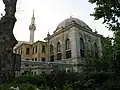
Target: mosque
(72, 43)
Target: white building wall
(73, 42)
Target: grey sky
(49, 13)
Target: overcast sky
(49, 13)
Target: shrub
(32, 79)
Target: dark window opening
(68, 70)
(96, 55)
(68, 54)
(51, 53)
(59, 56)
(43, 72)
(36, 49)
(81, 47)
(26, 65)
(67, 43)
(43, 49)
(96, 50)
(32, 73)
(33, 50)
(82, 53)
(51, 72)
(89, 48)
(51, 49)
(35, 59)
(52, 58)
(21, 51)
(43, 59)
(27, 50)
(58, 47)
(68, 49)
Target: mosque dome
(71, 20)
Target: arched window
(51, 53)
(81, 47)
(51, 49)
(58, 47)
(58, 51)
(92, 50)
(68, 48)
(96, 50)
(89, 48)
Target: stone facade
(35, 52)
(73, 44)
(84, 43)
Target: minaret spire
(33, 13)
(32, 28)
(33, 19)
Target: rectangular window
(68, 54)
(26, 65)
(35, 59)
(43, 59)
(21, 51)
(59, 56)
(27, 50)
(82, 53)
(43, 49)
(52, 58)
(43, 72)
(33, 50)
(96, 55)
(34, 73)
(36, 49)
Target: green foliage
(5, 87)
(108, 10)
(22, 86)
(116, 51)
(67, 87)
(111, 84)
(107, 53)
(107, 48)
(60, 81)
(32, 79)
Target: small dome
(71, 20)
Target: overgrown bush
(62, 81)
(22, 86)
(32, 79)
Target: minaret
(32, 28)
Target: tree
(109, 10)
(116, 64)
(107, 53)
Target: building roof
(25, 42)
(21, 42)
(71, 20)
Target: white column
(77, 39)
(31, 36)
(73, 42)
